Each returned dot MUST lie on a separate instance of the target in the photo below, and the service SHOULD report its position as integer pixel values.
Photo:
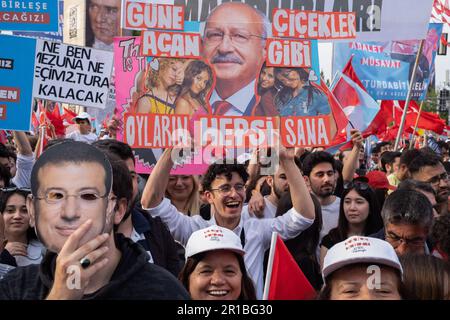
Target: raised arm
(301, 199)
(22, 143)
(351, 163)
(156, 185)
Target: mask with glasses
(59, 197)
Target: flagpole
(270, 266)
(411, 145)
(408, 96)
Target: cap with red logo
(213, 238)
(358, 249)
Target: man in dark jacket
(137, 224)
(73, 211)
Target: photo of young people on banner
(289, 92)
(231, 77)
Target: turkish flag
(285, 280)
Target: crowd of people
(358, 227)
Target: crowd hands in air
(78, 222)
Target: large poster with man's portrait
(227, 84)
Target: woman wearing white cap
(215, 268)
(362, 268)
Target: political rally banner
(71, 74)
(376, 20)
(16, 81)
(52, 36)
(29, 15)
(385, 68)
(227, 80)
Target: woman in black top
(359, 214)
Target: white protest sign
(72, 74)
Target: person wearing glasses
(22, 242)
(234, 45)
(73, 210)
(407, 220)
(102, 23)
(427, 167)
(224, 189)
(359, 215)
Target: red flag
(381, 121)
(427, 120)
(68, 116)
(285, 280)
(359, 107)
(338, 114)
(34, 121)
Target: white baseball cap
(81, 116)
(213, 238)
(358, 249)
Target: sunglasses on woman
(359, 185)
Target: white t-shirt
(330, 217)
(77, 136)
(24, 166)
(270, 211)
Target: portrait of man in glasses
(234, 44)
(73, 210)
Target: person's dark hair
(381, 195)
(315, 158)
(305, 244)
(423, 159)
(12, 152)
(440, 233)
(120, 149)
(122, 183)
(373, 222)
(425, 277)
(262, 90)
(310, 236)
(5, 175)
(446, 166)
(71, 152)
(340, 180)
(248, 291)
(4, 197)
(410, 184)
(388, 157)
(407, 206)
(226, 169)
(325, 292)
(376, 148)
(193, 69)
(4, 152)
(442, 145)
(54, 142)
(408, 156)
